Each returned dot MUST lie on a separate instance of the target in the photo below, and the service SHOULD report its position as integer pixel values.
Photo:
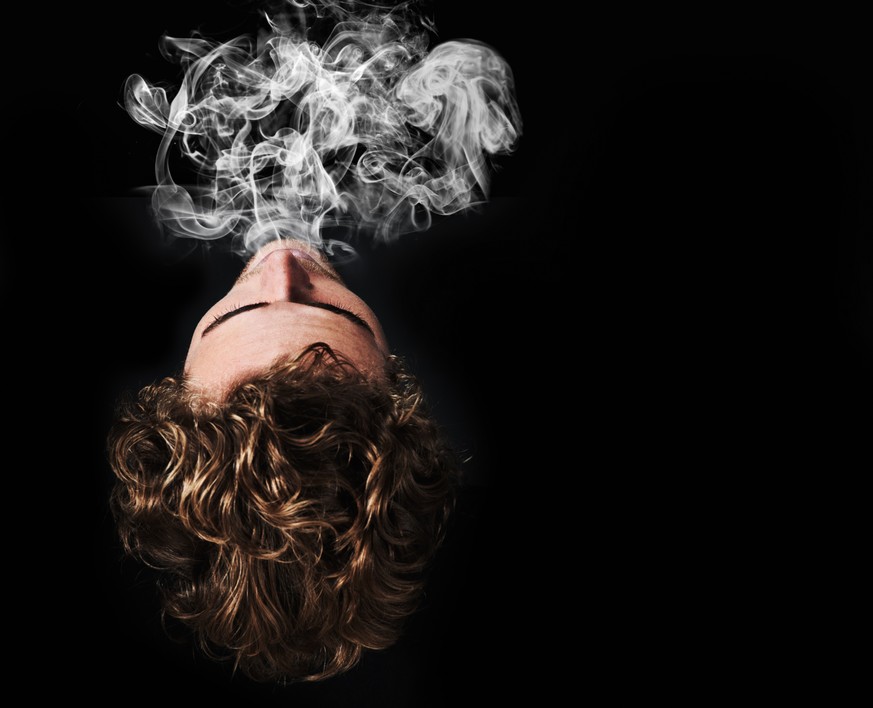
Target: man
(291, 297)
(289, 483)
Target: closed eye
(330, 307)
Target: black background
(654, 343)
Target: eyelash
(344, 307)
(234, 308)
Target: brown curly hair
(293, 519)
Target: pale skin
(290, 298)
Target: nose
(283, 278)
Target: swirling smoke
(370, 131)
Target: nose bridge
(285, 278)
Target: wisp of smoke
(370, 131)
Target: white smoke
(369, 131)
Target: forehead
(253, 341)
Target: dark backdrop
(654, 343)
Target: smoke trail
(370, 130)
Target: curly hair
(294, 519)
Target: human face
(287, 298)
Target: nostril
(301, 293)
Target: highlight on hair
(293, 521)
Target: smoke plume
(370, 130)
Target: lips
(296, 251)
(302, 254)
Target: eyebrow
(350, 316)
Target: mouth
(298, 248)
(302, 254)
(306, 260)
(309, 260)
